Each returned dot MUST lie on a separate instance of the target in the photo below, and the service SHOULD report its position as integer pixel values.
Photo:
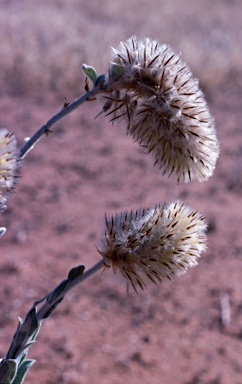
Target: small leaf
(89, 72)
(7, 371)
(23, 357)
(49, 312)
(30, 324)
(13, 347)
(22, 370)
(25, 331)
(75, 272)
(53, 295)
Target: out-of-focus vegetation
(43, 43)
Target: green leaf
(23, 357)
(22, 370)
(75, 272)
(89, 72)
(7, 371)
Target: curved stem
(45, 129)
(28, 329)
(45, 309)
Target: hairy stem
(45, 129)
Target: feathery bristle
(154, 93)
(156, 243)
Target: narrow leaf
(53, 295)
(13, 347)
(51, 309)
(33, 324)
(75, 272)
(22, 370)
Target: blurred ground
(100, 334)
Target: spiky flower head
(156, 243)
(154, 92)
(9, 165)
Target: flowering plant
(153, 93)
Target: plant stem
(44, 310)
(45, 129)
(85, 275)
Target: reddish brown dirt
(171, 333)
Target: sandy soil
(171, 333)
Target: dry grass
(43, 44)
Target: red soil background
(172, 333)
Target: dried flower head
(9, 165)
(156, 243)
(153, 91)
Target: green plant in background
(153, 93)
